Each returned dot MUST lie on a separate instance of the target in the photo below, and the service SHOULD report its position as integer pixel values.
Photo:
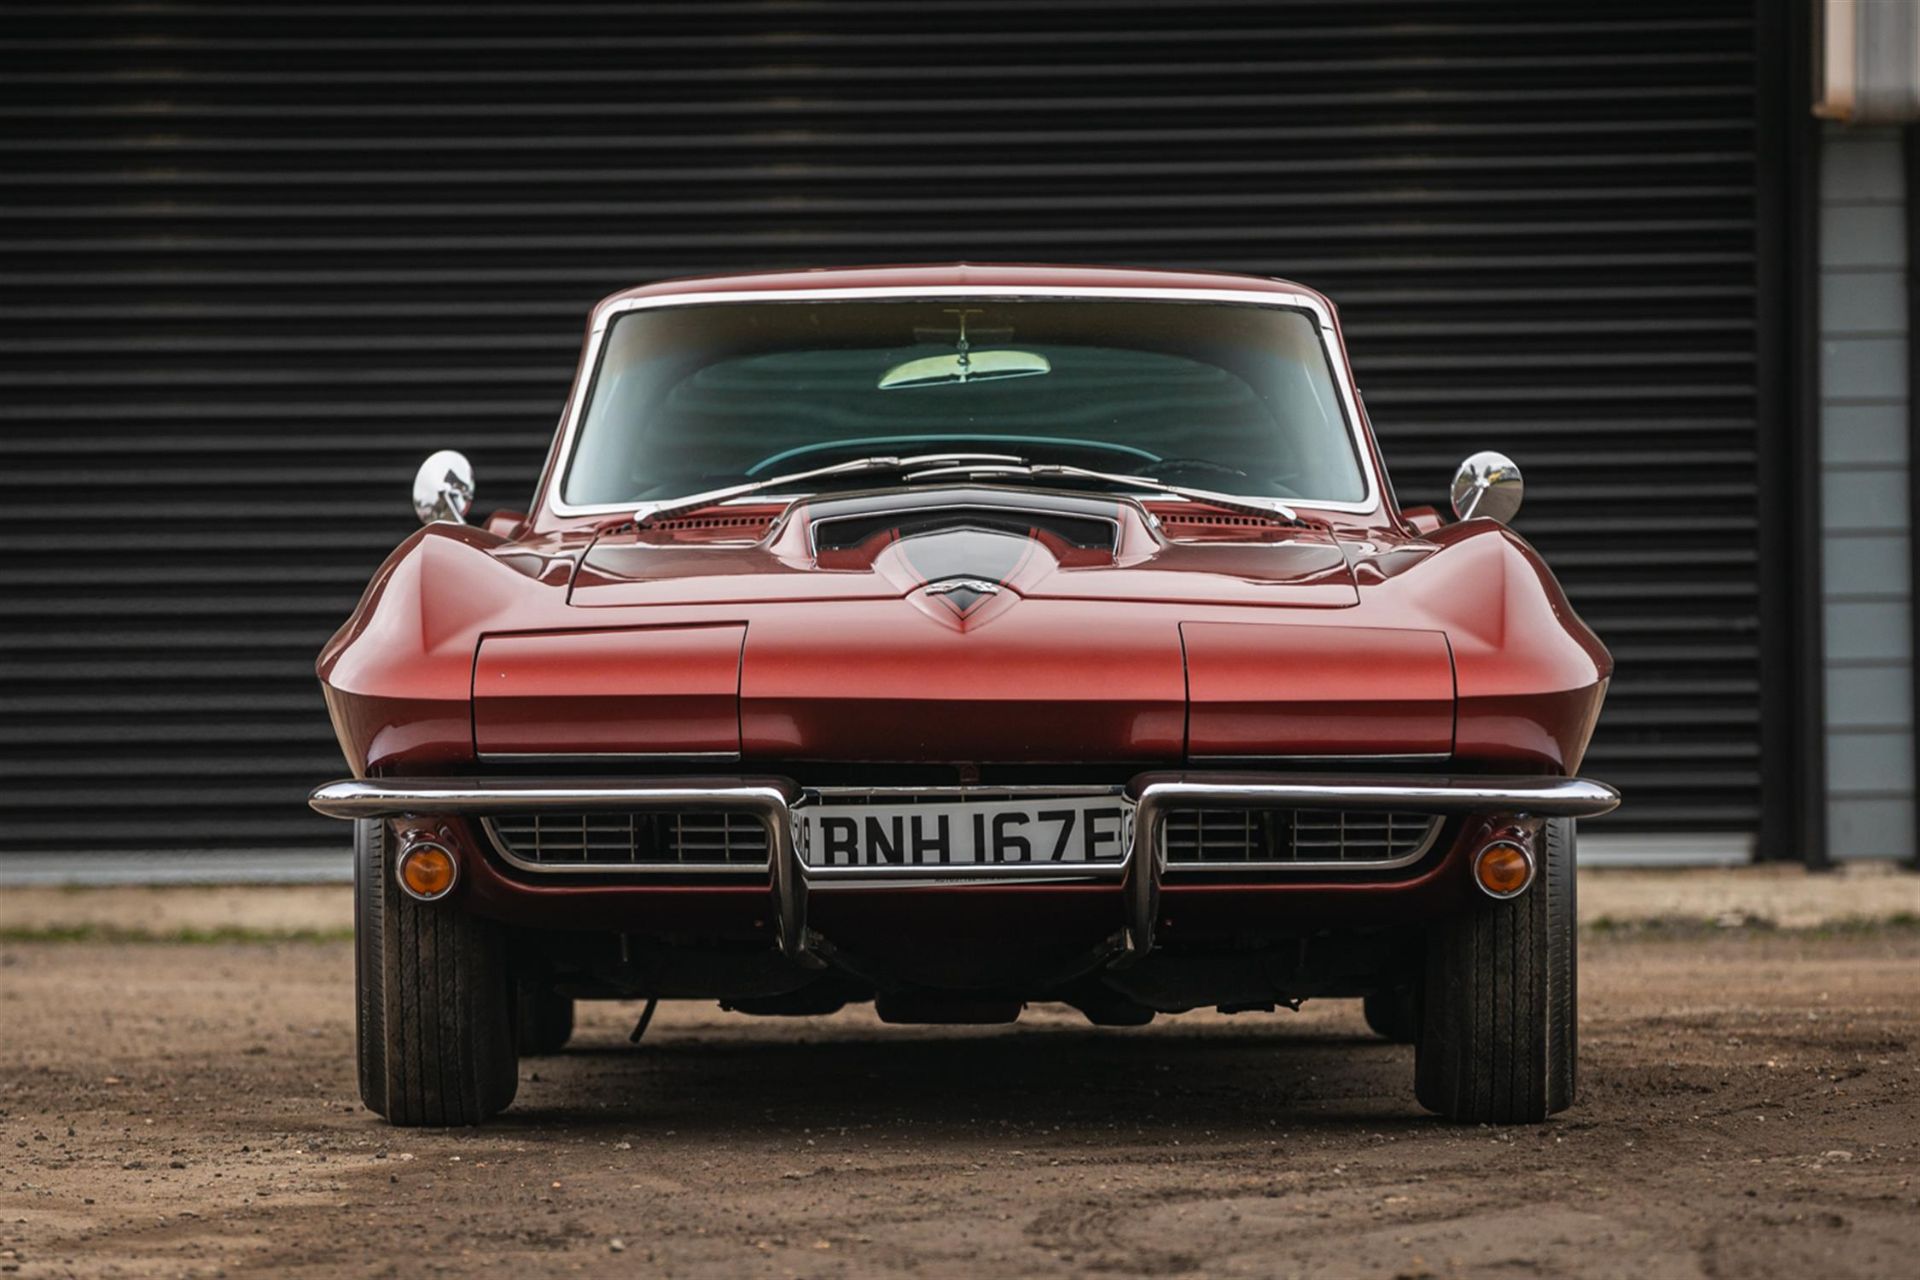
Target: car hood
(971, 626)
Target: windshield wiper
(1042, 470)
(647, 512)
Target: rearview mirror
(443, 488)
(1489, 485)
(965, 366)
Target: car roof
(962, 275)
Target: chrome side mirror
(1488, 485)
(443, 488)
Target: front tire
(1498, 1024)
(435, 1013)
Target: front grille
(694, 840)
(1296, 837)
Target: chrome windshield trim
(605, 314)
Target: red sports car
(956, 638)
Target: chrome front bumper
(1143, 866)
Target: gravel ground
(1751, 1107)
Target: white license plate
(1039, 831)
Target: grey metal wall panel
(1861, 565)
(259, 259)
(1868, 631)
(1862, 164)
(1871, 763)
(1862, 236)
(1868, 827)
(1863, 497)
(1869, 301)
(1874, 697)
(1860, 367)
(1864, 433)
(1866, 514)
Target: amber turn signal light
(1503, 869)
(427, 871)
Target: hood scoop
(1077, 523)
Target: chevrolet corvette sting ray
(956, 638)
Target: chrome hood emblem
(974, 586)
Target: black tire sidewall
(369, 961)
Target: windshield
(1229, 397)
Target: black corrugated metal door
(258, 260)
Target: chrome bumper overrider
(774, 800)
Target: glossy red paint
(1041, 683)
(1193, 633)
(1259, 689)
(650, 690)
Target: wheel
(435, 1016)
(1394, 1015)
(1498, 1035)
(543, 1021)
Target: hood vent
(730, 529)
(1206, 526)
(712, 522)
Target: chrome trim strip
(401, 797)
(973, 872)
(1540, 797)
(1412, 757)
(961, 791)
(604, 315)
(595, 757)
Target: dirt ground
(1751, 1107)
(1784, 895)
